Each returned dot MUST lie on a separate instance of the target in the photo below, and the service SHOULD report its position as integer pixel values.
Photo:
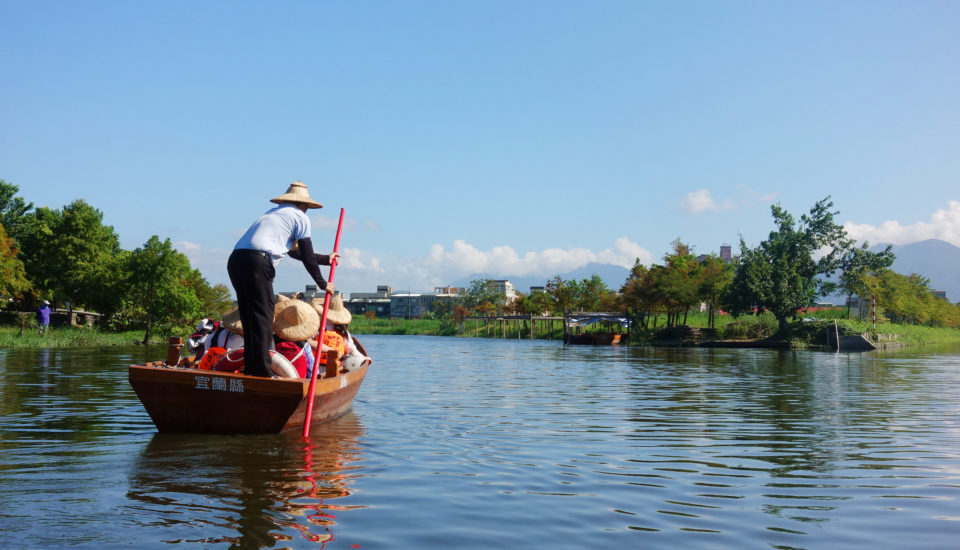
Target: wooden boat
(184, 399)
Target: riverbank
(809, 334)
(744, 332)
(73, 337)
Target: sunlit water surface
(463, 443)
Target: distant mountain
(934, 259)
(613, 275)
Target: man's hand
(334, 258)
(330, 288)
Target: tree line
(800, 261)
(69, 257)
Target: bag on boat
(195, 341)
(232, 361)
(295, 354)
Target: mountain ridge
(935, 259)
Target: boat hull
(188, 400)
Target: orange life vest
(333, 340)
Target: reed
(72, 337)
(361, 325)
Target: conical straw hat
(297, 192)
(294, 319)
(337, 313)
(231, 321)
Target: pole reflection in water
(248, 491)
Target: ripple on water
(478, 443)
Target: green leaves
(782, 274)
(68, 254)
(13, 277)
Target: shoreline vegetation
(69, 258)
(745, 331)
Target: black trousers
(251, 273)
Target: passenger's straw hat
(294, 319)
(297, 192)
(231, 321)
(337, 313)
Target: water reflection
(248, 491)
(480, 444)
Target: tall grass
(361, 325)
(12, 337)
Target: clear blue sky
(509, 138)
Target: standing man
(284, 230)
(43, 317)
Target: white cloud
(362, 271)
(625, 253)
(702, 200)
(699, 201)
(464, 259)
(944, 224)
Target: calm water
(503, 444)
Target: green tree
(564, 295)
(13, 277)
(781, 275)
(716, 275)
(640, 295)
(591, 293)
(13, 210)
(159, 286)
(908, 299)
(71, 255)
(856, 264)
(539, 302)
(216, 300)
(678, 283)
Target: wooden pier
(510, 326)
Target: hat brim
(336, 316)
(290, 197)
(299, 323)
(231, 321)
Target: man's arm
(304, 253)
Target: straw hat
(337, 313)
(231, 321)
(294, 319)
(297, 192)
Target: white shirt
(276, 231)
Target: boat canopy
(584, 319)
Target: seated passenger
(336, 336)
(294, 322)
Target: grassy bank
(911, 335)
(805, 333)
(360, 325)
(11, 337)
(811, 331)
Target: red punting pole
(323, 325)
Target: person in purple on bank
(43, 318)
